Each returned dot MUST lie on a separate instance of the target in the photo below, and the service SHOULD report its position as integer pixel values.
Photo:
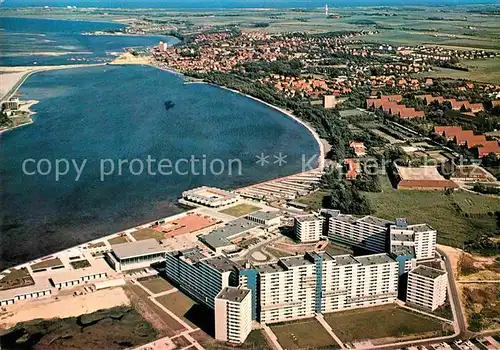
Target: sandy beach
(11, 78)
(65, 306)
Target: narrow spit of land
(13, 77)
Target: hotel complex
(202, 262)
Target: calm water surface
(127, 112)
(28, 41)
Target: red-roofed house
(475, 141)
(353, 169)
(447, 131)
(487, 148)
(461, 137)
(359, 147)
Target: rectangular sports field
(303, 334)
(380, 322)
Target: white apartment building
(427, 287)
(200, 276)
(351, 282)
(287, 289)
(421, 237)
(233, 315)
(368, 232)
(301, 286)
(308, 228)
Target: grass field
(46, 264)
(155, 284)
(163, 322)
(336, 249)
(445, 213)
(194, 314)
(118, 240)
(305, 334)
(380, 322)
(314, 200)
(240, 210)
(147, 233)
(255, 341)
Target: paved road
(462, 325)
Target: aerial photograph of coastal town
(250, 174)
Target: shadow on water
(168, 105)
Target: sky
(233, 3)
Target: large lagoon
(129, 112)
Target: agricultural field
(485, 71)
(381, 322)
(304, 334)
(240, 210)
(451, 214)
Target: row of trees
(345, 196)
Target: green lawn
(337, 249)
(380, 322)
(314, 200)
(240, 210)
(147, 233)
(155, 284)
(448, 214)
(255, 341)
(118, 240)
(46, 264)
(304, 334)
(194, 314)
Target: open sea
(104, 114)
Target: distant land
(214, 4)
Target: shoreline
(310, 129)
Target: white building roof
(137, 248)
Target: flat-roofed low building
(136, 255)
(427, 287)
(422, 178)
(210, 196)
(308, 228)
(67, 277)
(233, 315)
(40, 288)
(270, 219)
(219, 239)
